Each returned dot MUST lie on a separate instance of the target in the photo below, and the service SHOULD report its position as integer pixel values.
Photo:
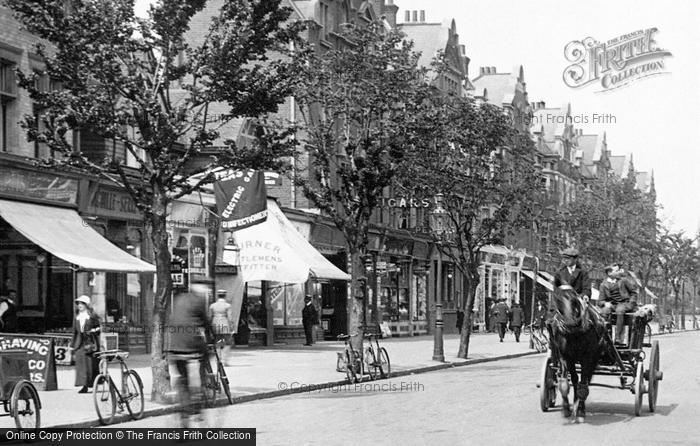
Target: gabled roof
(620, 165)
(643, 181)
(498, 88)
(590, 146)
(431, 38)
(553, 120)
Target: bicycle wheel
(384, 363)
(350, 369)
(25, 406)
(104, 397)
(210, 386)
(134, 395)
(371, 364)
(223, 379)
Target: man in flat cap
(573, 274)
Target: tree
(356, 106)
(139, 83)
(678, 261)
(483, 170)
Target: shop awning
(274, 250)
(63, 233)
(540, 280)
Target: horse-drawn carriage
(624, 361)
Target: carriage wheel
(25, 406)
(639, 389)
(548, 389)
(654, 376)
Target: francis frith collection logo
(615, 63)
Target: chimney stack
(390, 12)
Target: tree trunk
(355, 309)
(471, 281)
(159, 238)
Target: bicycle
(540, 338)
(354, 365)
(377, 364)
(213, 382)
(107, 396)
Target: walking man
(516, 320)
(501, 312)
(309, 318)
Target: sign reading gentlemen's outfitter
(241, 198)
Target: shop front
(50, 254)
(278, 267)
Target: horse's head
(571, 310)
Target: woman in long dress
(86, 342)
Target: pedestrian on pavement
(501, 315)
(516, 320)
(188, 329)
(573, 274)
(220, 319)
(85, 343)
(460, 320)
(309, 318)
(492, 317)
(540, 315)
(8, 312)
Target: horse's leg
(575, 385)
(564, 387)
(582, 389)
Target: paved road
(492, 403)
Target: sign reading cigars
(241, 198)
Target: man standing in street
(501, 313)
(309, 318)
(516, 320)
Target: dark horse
(577, 336)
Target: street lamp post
(534, 296)
(438, 217)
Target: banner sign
(39, 185)
(241, 198)
(40, 357)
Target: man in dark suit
(516, 320)
(573, 274)
(309, 318)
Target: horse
(577, 336)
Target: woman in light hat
(86, 341)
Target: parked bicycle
(540, 338)
(108, 397)
(376, 360)
(212, 383)
(354, 367)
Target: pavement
(266, 372)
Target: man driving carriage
(618, 293)
(573, 274)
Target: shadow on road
(601, 414)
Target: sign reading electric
(241, 198)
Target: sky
(657, 118)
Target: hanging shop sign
(241, 198)
(40, 356)
(26, 184)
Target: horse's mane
(565, 322)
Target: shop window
(256, 305)
(421, 306)
(287, 301)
